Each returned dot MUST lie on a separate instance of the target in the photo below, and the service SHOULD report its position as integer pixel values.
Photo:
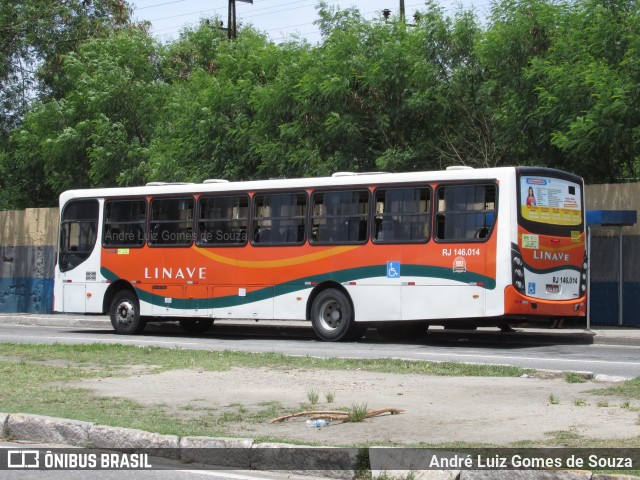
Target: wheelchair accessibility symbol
(393, 269)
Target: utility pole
(402, 15)
(232, 31)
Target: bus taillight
(583, 275)
(517, 269)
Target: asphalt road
(552, 352)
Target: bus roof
(343, 179)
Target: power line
(218, 9)
(309, 3)
(185, 14)
(158, 5)
(170, 30)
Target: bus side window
(223, 220)
(171, 221)
(124, 223)
(403, 215)
(465, 212)
(339, 217)
(279, 218)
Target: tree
(587, 90)
(98, 133)
(34, 37)
(207, 128)
(517, 35)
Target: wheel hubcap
(330, 315)
(125, 313)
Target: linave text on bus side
(193, 273)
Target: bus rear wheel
(332, 317)
(196, 325)
(125, 314)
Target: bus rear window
(550, 201)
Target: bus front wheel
(125, 314)
(332, 317)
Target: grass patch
(115, 358)
(553, 399)
(357, 412)
(573, 377)
(628, 389)
(312, 395)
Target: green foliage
(587, 90)
(312, 395)
(358, 412)
(541, 83)
(573, 377)
(98, 133)
(34, 37)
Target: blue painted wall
(604, 304)
(26, 295)
(605, 271)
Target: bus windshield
(550, 205)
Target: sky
(279, 19)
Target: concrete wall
(28, 241)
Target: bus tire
(332, 316)
(196, 325)
(125, 313)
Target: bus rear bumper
(517, 304)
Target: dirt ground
(437, 409)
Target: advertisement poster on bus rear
(550, 200)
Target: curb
(238, 453)
(198, 450)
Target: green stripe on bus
(340, 276)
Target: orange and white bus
(399, 251)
